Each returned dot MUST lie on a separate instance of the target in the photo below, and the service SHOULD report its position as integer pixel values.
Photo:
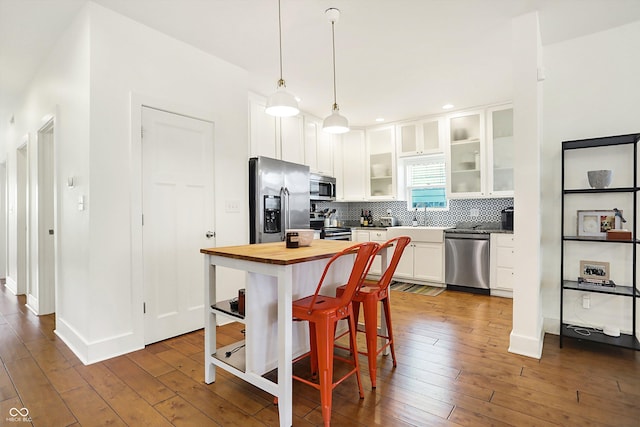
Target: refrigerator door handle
(287, 217)
(284, 212)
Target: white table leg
(285, 345)
(209, 319)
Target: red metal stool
(368, 295)
(323, 312)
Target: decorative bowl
(378, 170)
(305, 235)
(599, 178)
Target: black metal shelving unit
(621, 290)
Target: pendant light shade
(335, 123)
(281, 103)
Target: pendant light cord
(281, 81)
(333, 43)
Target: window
(426, 180)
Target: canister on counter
(293, 240)
(241, 302)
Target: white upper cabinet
(325, 152)
(318, 148)
(278, 138)
(501, 150)
(466, 155)
(350, 166)
(382, 163)
(421, 137)
(262, 129)
(292, 139)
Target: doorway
(177, 207)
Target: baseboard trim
(96, 351)
(526, 345)
(32, 304)
(11, 285)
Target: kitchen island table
(276, 277)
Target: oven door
(338, 236)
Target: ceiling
(395, 59)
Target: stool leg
(356, 315)
(352, 336)
(387, 315)
(371, 330)
(313, 348)
(325, 368)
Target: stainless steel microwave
(322, 187)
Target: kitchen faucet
(424, 205)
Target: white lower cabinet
(423, 259)
(378, 236)
(501, 260)
(422, 262)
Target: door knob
(210, 234)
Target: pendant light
(281, 103)
(334, 123)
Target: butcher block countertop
(278, 253)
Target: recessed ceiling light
(447, 106)
(380, 119)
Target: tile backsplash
(459, 210)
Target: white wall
(61, 87)
(88, 81)
(591, 89)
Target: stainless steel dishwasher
(467, 261)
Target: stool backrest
(400, 243)
(364, 252)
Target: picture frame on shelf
(596, 223)
(594, 271)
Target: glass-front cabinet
(466, 154)
(501, 150)
(481, 153)
(422, 137)
(382, 165)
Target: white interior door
(42, 299)
(3, 220)
(22, 211)
(177, 202)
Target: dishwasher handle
(474, 236)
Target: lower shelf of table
(624, 340)
(237, 357)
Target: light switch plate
(232, 206)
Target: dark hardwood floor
(453, 369)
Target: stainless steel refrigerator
(278, 198)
